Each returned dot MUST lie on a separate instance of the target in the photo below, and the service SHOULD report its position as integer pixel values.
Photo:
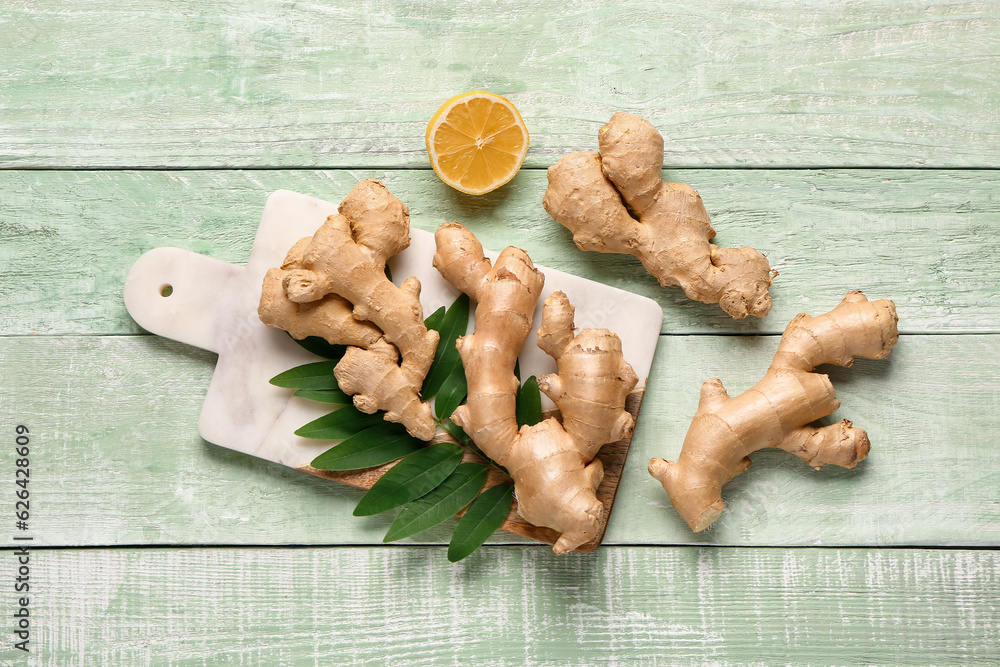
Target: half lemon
(476, 142)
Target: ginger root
(777, 411)
(331, 317)
(664, 225)
(333, 285)
(552, 464)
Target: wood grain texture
(118, 459)
(352, 84)
(925, 239)
(512, 606)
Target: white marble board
(213, 305)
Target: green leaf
(434, 320)
(484, 516)
(374, 446)
(414, 476)
(460, 489)
(517, 369)
(451, 394)
(321, 348)
(529, 403)
(318, 375)
(456, 431)
(333, 396)
(446, 358)
(388, 273)
(342, 423)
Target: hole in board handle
(166, 290)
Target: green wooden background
(856, 144)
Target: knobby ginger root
(777, 411)
(552, 464)
(333, 285)
(331, 317)
(665, 225)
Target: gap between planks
(394, 168)
(512, 545)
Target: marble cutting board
(212, 304)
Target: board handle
(181, 295)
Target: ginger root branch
(616, 201)
(552, 464)
(333, 285)
(777, 411)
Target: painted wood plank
(511, 606)
(351, 84)
(118, 461)
(923, 238)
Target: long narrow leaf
(342, 423)
(439, 373)
(332, 396)
(414, 476)
(529, 403)
(453, 325)
(321, 348)
(460, 489)
(374, 446)
(451, 395)
(318, 375)
(484, 516)
(434, 320)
